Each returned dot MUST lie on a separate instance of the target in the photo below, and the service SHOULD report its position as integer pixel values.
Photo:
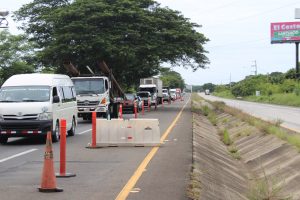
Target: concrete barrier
(133, 132)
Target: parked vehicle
(145, 96)
(207, 92)
(33, 104)
(154, 86)
(178, 93)
(166, 94)
(173, 94)
(98, 94)
(128, 104)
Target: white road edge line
(17, 155)
(84, 132)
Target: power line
(219, 7)
(238, 43)
(254, 15)
(267, 11)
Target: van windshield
(25, 94)
(89, 86)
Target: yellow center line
(139, 171)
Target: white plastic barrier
(133, 132)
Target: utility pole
(230, 81)
(3, 21)
(255, 66)
(297, 16)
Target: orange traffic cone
(48, 177)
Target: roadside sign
(285, 32)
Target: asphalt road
(103, 173)
(289, 115)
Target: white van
(32, 104)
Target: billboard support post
(297, 60)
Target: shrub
(226, 138)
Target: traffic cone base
(90, 146)
(65, 175)
(50, 190)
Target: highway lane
(289, 115)
(101, 173)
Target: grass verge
(194, 186)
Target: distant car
(128, 103)
(207, 92)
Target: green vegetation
(15, 55)
(226, 138)
(275, 88)
(194, 185)
(234, 152)
(171, 78)
(205, 110)
(132, 37)
(212, 117)
(266, 189)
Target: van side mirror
(56, 99)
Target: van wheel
(3, 139)
(56, 134)
(71, 132)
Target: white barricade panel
(146, 131)
(133, 132)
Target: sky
(239, 34)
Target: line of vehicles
(33, 104)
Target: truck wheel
(56, 133)
(115, 111)
(71, 132)
(107, 115)
(3, 139)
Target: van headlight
(45, 116)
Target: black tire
(115, 111)
(107, 114)
(3, 139)
(56, 133)
(71, 132)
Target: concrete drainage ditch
(254, 165)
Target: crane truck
(96, 93)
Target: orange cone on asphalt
(48, 183)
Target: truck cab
(92, 96)
(153, 91)
(145, 97)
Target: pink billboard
(285, 32)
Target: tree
(209, 86)
(133, 36)
(15, 55)
(171, 78)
